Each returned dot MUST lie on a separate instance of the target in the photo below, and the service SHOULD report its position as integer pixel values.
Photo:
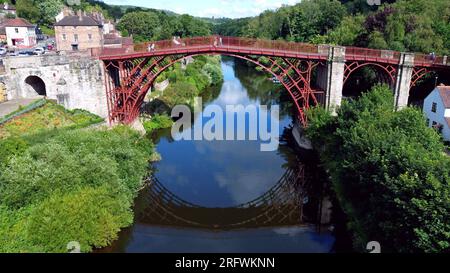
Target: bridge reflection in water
(282, 205)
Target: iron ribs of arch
(418, 73)
(128, 81)
(388, 77)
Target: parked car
(3, 51)
(39, 51)
(26, 53)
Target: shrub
(158, 122)
(389, 173)
(91, 216)
(77, 186)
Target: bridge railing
(428, 59)
(227, 42)
(265, 46)
(372, 53)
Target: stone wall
(75, 82)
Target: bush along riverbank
(388, 171)
(79, 185)
(186, 82)
(61, 182)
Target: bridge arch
(35, 85)
(361, 76)
(134, 79)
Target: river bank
(218, 176)
(56, 174)
(388, 172)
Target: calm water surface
(223, 174)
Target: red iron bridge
(131, 72)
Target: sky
(209, 8)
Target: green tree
(28, 10)
(388, 171)
(143, 25)
(49, 9)
(347, 33)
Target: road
(13, 105)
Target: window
(64, 37)
(16, 30)
(75, 37)
(434, 107)
(90, 37)
(428, 122)
(434, 123)
(439, 128)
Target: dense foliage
(157, 122)
(77, 186)
(190, 82)
(389, 172)
(158, 25)
(404, 25)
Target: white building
(20, 33)
(437, 109)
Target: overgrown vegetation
(404, 25)
(188, 83)
(76, 186)
(388, 171)
(48, 116)
(157, 122)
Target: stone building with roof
(78, 32)
(437, 110)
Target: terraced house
(78, 32)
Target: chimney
(80, 15)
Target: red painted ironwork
(388, 77)
(131, 71)
(419, 73)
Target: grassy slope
(49, 116)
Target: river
(194, 201)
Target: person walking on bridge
(175, 41)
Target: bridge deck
(233, 45)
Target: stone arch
(36, 84)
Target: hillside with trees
(403, 25)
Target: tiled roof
(444, 92)
(75, 20)
(17, 22)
